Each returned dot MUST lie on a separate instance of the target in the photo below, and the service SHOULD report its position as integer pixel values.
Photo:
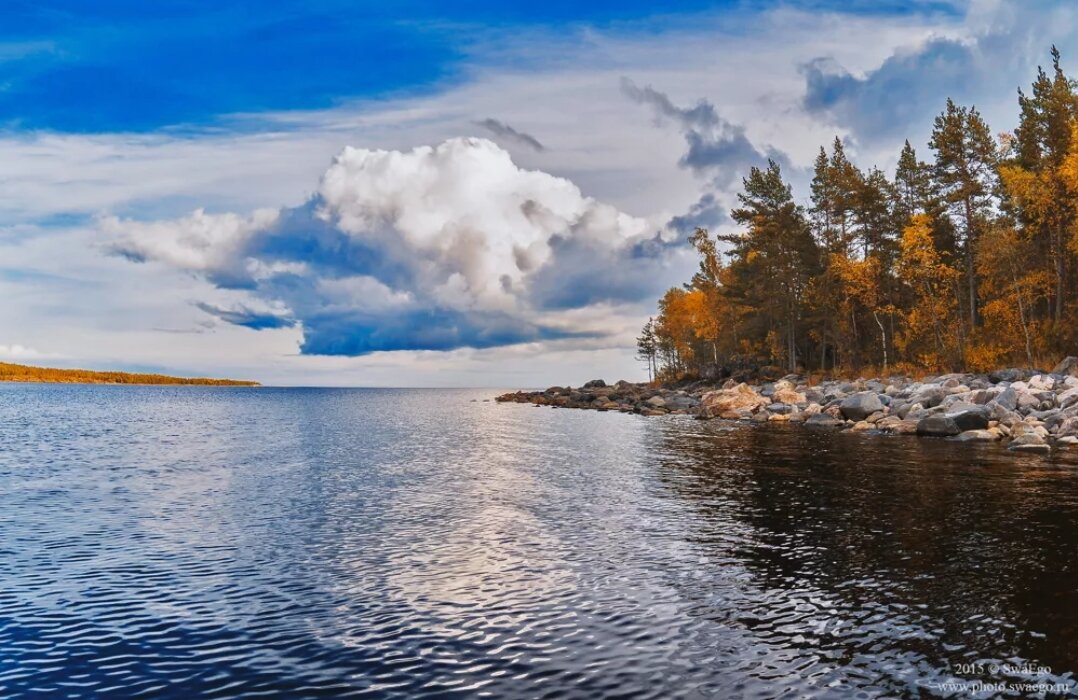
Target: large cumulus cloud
(430, 249)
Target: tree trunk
(1061, 275)
(970, 236)
(883, 339)
(1022, 316)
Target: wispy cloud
(21, 353)
(504, 131)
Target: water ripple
(182, 542)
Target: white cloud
(21, 353)
(749, 65)
(434, 248)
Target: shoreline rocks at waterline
(1026, 410)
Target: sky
(423, 193)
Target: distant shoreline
(28, 374)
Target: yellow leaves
(1033, 191)
(859, 278)
(918, 259)
(686, 318)
(1068, 170)
(932, 320)
(985, 356)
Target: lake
(227, 542)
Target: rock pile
(1027, 410)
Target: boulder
(740, 397)
(1029, 443)
(971, 418)
(822, 420)
(905, 409)
(930, 396)
(1068, 398)
(1028, 401)
(977, 436)
(594, 384)
(1067, 366)
(1041, 382)
(1028, 428)
(682, 402)
(998, 412)
(786, 393)
(1008, 399)
(938, 425)
(656, 402)
(1068, 428)
(861, 405)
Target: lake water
(187, 541)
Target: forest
(967, 261)
(25, 373)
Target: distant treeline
(966, 262)
(24, 373)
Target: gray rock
(594, 384)
(682, 402)
(1029, 443)
(780, 408)
(972, 418)
(930, 396)
(1068, 398)
(938, 425)
(861, 405)
(1028, 401)
(822, 420)
(1008, 399)
(657, 402)
(1003, 415)
(1068, 366)
(1067, 428)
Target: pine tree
(647, 347)
(1041, 145)
(774, 258)
(964, 170)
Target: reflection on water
(181, 541)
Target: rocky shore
(1028, 410)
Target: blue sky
(430, 193)
(139, 66)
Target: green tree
(772, 260)
(647, 347)
(964, 170)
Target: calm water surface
(183, 542)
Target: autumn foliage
(967, 262)
(24, 373)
